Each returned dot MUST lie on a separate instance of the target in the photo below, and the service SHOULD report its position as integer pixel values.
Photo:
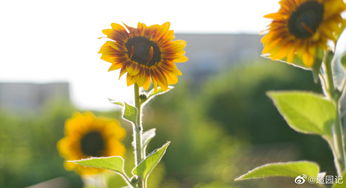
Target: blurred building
(210, 53)
(23, 97)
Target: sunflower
(147, 54)
(302, 28)
(90, 136)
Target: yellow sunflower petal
(116, 26)
(132, 69)
(115, 66)
(130, 80)
(181, 59)
(146, 83)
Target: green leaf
(305, 112)
(116, 102)
(145, 167)
(159, 91)
(115, 163)
(147, 136)
(287, 169)
(153, 93)
(130, 113)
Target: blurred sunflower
(90, 136)
(301, 28)
(147, 54)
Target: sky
(46, 41)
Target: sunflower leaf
(304, 169)
(130, 113)
(116, 102)
(115, 163)
(305, 112)
(153, 93)
(147, 136)
(146, 166)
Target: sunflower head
(147, 54)
(89, 136)
(301, 29)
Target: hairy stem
(137, 135)
(338, 134)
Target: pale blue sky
(44, 40)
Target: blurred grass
(219, 130)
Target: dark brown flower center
(143, 51)
(92, 144)
(305, 20)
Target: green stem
(340, 140)
(138, 131)
(338, 134)
(126, 179)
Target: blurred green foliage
(238, 101)
(28, 152)
(219, 130)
